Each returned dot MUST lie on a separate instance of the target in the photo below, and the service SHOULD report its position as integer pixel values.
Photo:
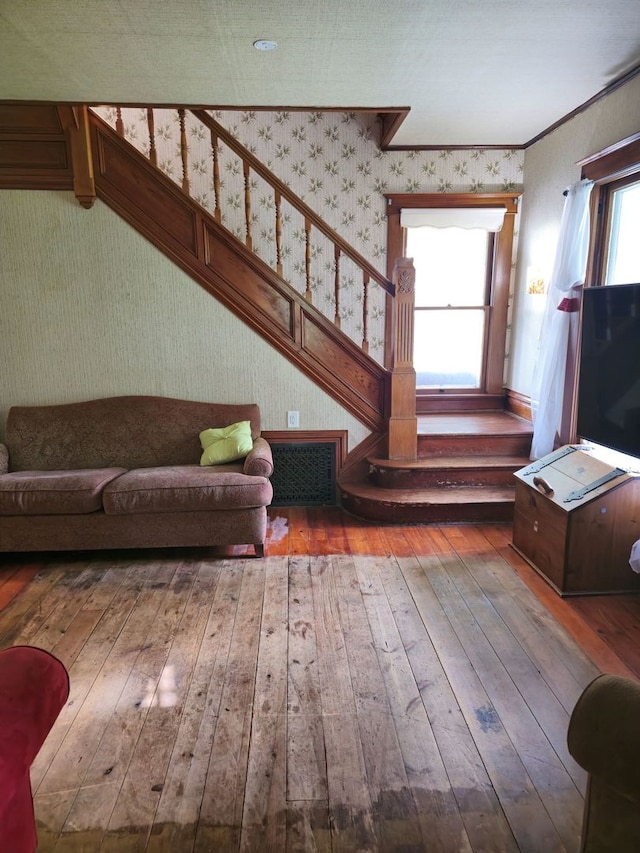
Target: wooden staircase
(463, 472)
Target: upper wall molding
(603, 93)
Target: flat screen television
(609, 373)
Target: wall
(90, 309)
(550, 167)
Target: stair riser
(388, 513)
(473, 445)
(415, 478)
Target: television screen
(609, 375)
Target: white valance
(486, 218)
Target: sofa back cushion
(127, 432)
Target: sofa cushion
(185, 488)
(226, 444)
(54, 492)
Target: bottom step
(479, 504)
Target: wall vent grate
(304, 474)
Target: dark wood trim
(397, 201)
(519, 404)
(507, 146)
(612, 162)
(337, 437)
(616, 84)
(390, 123)
(499, 305)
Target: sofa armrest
(604, 736)
(259, 460)
(4, 459)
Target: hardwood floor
(364, 688)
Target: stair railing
(271, 220)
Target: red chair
(34, 686)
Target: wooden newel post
(403, 423)
(75, 121)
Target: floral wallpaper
(332, 162)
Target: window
(451, 296)
(622, 257)
(462, 288)
(614, 256)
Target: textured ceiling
(472, 72)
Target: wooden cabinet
(575, 520)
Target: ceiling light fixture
(265, 44)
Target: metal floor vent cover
(304, 474)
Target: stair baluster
(365, 311)
(278, 203)
(247, 205)
(184, 153)
(217, 213)
(308, 295)
(336, 285)
(153, 154)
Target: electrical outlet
(293, 420)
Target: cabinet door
(540, 533)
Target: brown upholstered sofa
(124, 472)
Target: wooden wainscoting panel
(127, 182)
(33, 149)
(253, 290)
(28, 154)
(30, 118)
(362, 380)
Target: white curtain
(553, 372)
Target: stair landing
(463, 473)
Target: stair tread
(436, 495)
(443, 462)
(473, 423)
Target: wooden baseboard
(519, 404)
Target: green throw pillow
(226, 444)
